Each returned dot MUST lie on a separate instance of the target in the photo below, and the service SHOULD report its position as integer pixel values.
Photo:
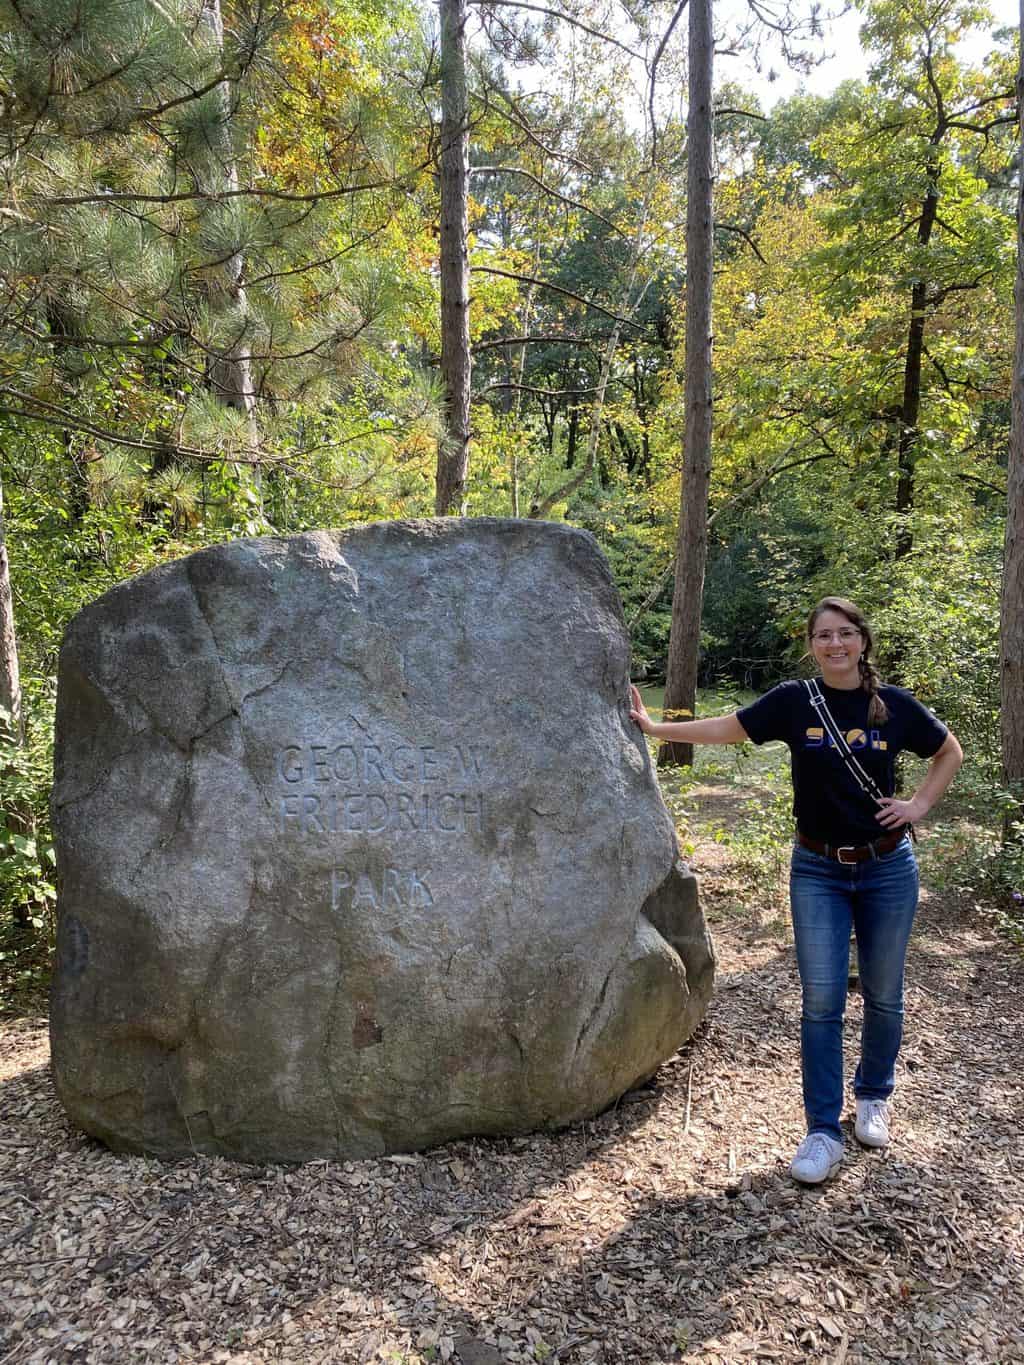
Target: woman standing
(853, 861)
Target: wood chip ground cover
(664, 1230)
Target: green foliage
(634, 546)
(763, 836)
(27, 863)
(975, 849)
(164, 240)
(741, 639)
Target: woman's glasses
(823, 637)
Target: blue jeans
(878, 899)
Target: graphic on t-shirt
(816, 738)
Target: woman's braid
(878, 713)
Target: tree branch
(250, 191)
(940, 294)
(52, 415)
(741, 232)
(517, 120)
(983, 127)
(741, 113)
(984, 483)
(522, 341)
(557, 14)
(557, 288)
(949, 228)
(528, 175)
(64, 421)
(653, 73)
(980, 104)
(544, 393)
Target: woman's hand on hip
(893, 813)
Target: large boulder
(359, 850)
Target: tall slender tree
(908, 215)
(230, 369)
(1012, 613)
(456, 365)
(692, 541)
(10, 685)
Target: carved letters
(374, 813)
(367, 764)
(327, 791)
(393, 888)
(364, 788)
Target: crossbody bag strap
(863, 779)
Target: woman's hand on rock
(638, 711)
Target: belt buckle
(846, 848)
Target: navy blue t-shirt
(827, 803)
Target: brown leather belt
(853, 853)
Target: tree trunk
(64, 330)
(692, 539)
(230, 373)
(13, 813)
(641, 462)
(627, 305)
(1012, 611)
(543, 505)
(572, 436)
(910, 408)
(517, 407)
(10, 684)
(453, 448)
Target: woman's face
(837, 645)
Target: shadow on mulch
(682, 1273)
(898, 1249)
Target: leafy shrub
(27, 863)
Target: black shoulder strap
(863, 779)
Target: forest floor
(667, 1229)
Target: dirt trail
(665, 1230)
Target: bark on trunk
(64, 330)
(572, 436)
(230, 371)
(10, 684)
(517, 408)
(13, 813)
(910, 408)
(453, 448)
(692, 540)
(641, 464)
(1012, 607)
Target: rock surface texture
(359, 850)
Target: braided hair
(870, 680)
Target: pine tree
(145, 228)
(190, 252)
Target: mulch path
(664, 1230)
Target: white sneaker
(872, 1126)
(817, 1157)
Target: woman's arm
(714, 730)
(942, 768)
